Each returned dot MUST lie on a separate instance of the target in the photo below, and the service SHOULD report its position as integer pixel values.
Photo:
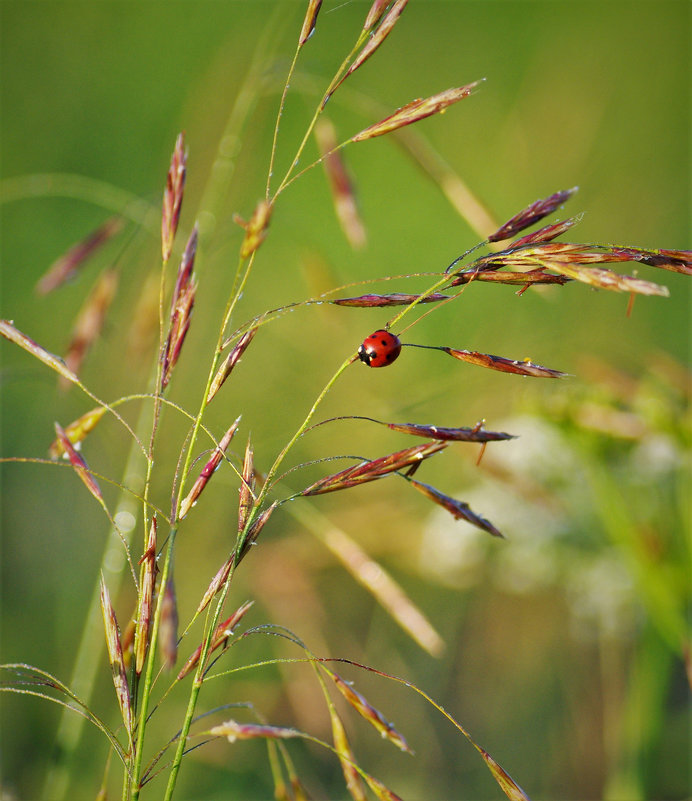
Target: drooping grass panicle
(208, 470)
(173, 197)
(69, 264)
(115, 658)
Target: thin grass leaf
(372, 715)
(80, 466)
(458, 509)
(391, 299)
(173, 197)
(8, 330)
(416, 110)
(372, 470)
(532, 214)
(67, 266)
(77, 431)
(525, 367)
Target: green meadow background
(563, 643)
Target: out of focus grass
(563, 644)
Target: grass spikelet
(381, 790)
(9, 331)
(77, 431)
(216, 583)
(525, 367)
(146, 593)
(391, 299)
(90, 320)
(547, 233)
(67, 266)
(375, 13)
(372, 715)
(372, 470)
(246, 492)
(221, 634)
(532, 214)
(340, 185)
(79, 464)
(384, 29)
(229, 363)
(115, 657)
(458, 509)
(347, 759)
(475, 434)
(173, 197)
(208, 470)
(232, 731)
(250, 538)
(168, 630)
(255, 229)
(182, 303)
(416, 110)
(505, 277)
(310, 21)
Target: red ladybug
(380, 349)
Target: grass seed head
(310, 21)
(173, 197)
(168, 629)
(416, 110)
(66, 267)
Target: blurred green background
(563, 649)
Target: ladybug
(380, 349)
